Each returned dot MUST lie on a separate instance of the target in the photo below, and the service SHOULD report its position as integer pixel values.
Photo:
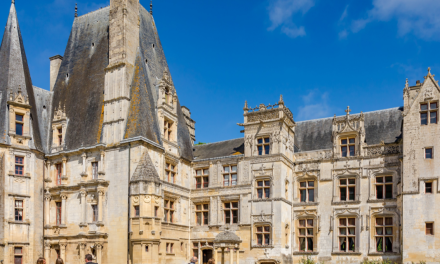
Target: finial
(429, 70)
(151, 7)
(406, 83)
(281, 99)
(13, 2)
(76, 9)
(348, 110)
(245, 105)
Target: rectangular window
(146, 248)
(167, 130)
(195, 250)
(428, 153)
(428, 111)
(136, 211)
(169, 248)
(384, 234)
(59, 168)
(59, 212)
(307, 191)
(428, 187)
(263, 235)
(156, 211)
(384, 187)
(19, 165)
(60, 136)
(231, 212)
(430, 228)
(305, 235)
(168, 211)
(95, 212)
(263, 145)
(18, 255)
(19, 124)
(230, 175)
(95, 170)
(202, 178)
(347, 234)
(170, 173)
(348, 147)
(347, 189)
(263, 189)
(202, 214)
(19, 210)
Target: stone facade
(120, 177)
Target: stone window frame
(346, 213)
(373, 195)
(371, 221)
(171, 210)
(348, 144)
(237, 209)
(17, 209)
(255, 237)
(22, 165)
(307, 178)
(202, 211)
(428, 112)
(58, 173)
(264, 179)
(58, 213)
(166, 170)
(18, 122)
(230, 173)
(432, 152)
(336, 190)
(202, 177)
(296, 243)
(20, 254)
(432, 228)
(169, 129)
(433, 186)
(337, 142)
(263, 144)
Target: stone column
(231, 255)
(84, 172)
(83, 205)
(63, 209)
(47, 251)
(47, 177)
(223, 255)
(200, 254)
(82, 252)
(215, 255)
(100, 201)
(63, 246)
(47, 198)
(98, 247)
(102, 163)
(238, 256)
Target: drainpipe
(129, 204)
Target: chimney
(418, 83)
(55, 63)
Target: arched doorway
(206, 255)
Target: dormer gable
(348, 134)
(426, 92)
(59, 128)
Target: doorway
(206, 255)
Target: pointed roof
(14, 74)
(145, 170)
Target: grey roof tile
(145, 170)
(219, 149)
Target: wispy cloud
(315, 105)
(343, 33)
(281, 13)
(418, 17)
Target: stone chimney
(55, 63)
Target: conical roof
(14, 75)
(145, 170)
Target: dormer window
(19, 124)
(428, 112)
(60, 136)
(263, 145)
(167, 96)
(348, 148)
(168, 129)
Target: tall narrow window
(263, 235)
(19, 124)
(136, 211)
(156, 211)
(95, 212)
(348, 147)
(59, 212)
(307, 191)
(384, 187)
(231, 212)
(202, 214)
(428, 153)
(169, 248)
(428, 187)
(263, 145)
(428, 112)
(347, 234)
(18, 255)
(195, 249)
(230, 175)
(60, 136)
(19, 165)
(347, 189)
(384, 234)
(429, 228)
(167, 129)
(168, 211)
(95, 170)
(305, 235)
(263, 189)
(19, 210)
(170, 173)
(59, 168)
(202, 178)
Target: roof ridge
(218, 142)
(386, 109)
(99, 9)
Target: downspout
(189, 224)
(129, 205)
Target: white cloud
(315, 105)
(344, 14)
(419, 17)
(281, 13)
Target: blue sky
(321, 55)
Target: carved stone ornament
(267, 218)
(429, 91)
(18, 98)
(60, 113)
(147, 199)
(135, 199)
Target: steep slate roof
(14, 73)
(80, 82)
(380, 125)
(145, 170)
(43, 104)
(219, 149)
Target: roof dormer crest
(60, 113)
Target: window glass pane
(351, 181)
(227, 205)
(267, 193)
(343, 194)
(302, 244)
(344, 151)
(19, 118)
(19, 129)
(266, 140)
(198, 207)
(424, 107)
(260, 193)
(234, 216)
(234, 179)
(205, 207)
(227, 217)
(302, 184)
(344, 141)
(351, 231)
(351, 193)
(225, 180)
(428, 153)
(351, 221)
(379, 221)
(266, 149)
(260, 183)
(379, 244)
(267, 239)
(267, 229)
(379, 230)
(433, 117)
(303, 195)
(311, 195)
(234, 168)
(266, 183)
(351, 141)
(198, 172)
(424, 118)
(342, 244)
(389, 179)
(234, 205)
(260, 150)
(309, 244)
(433, 106)
(309, 222)
(379, 179)
(19, 160)
(310, 231)
(388, 230)
(342, 222)
(260, 141)
(389, 221)
(302, 232)
(379, 191)
(343, 182)
(260, 239)
(302, 222)
(199, 218)
(351, 244)
(259, 229)
(226, 169)
(352, 151)
(343, 231)
(206, 172)
(311, 183)
(389, 191)
(388, 244)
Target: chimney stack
(55, 63)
